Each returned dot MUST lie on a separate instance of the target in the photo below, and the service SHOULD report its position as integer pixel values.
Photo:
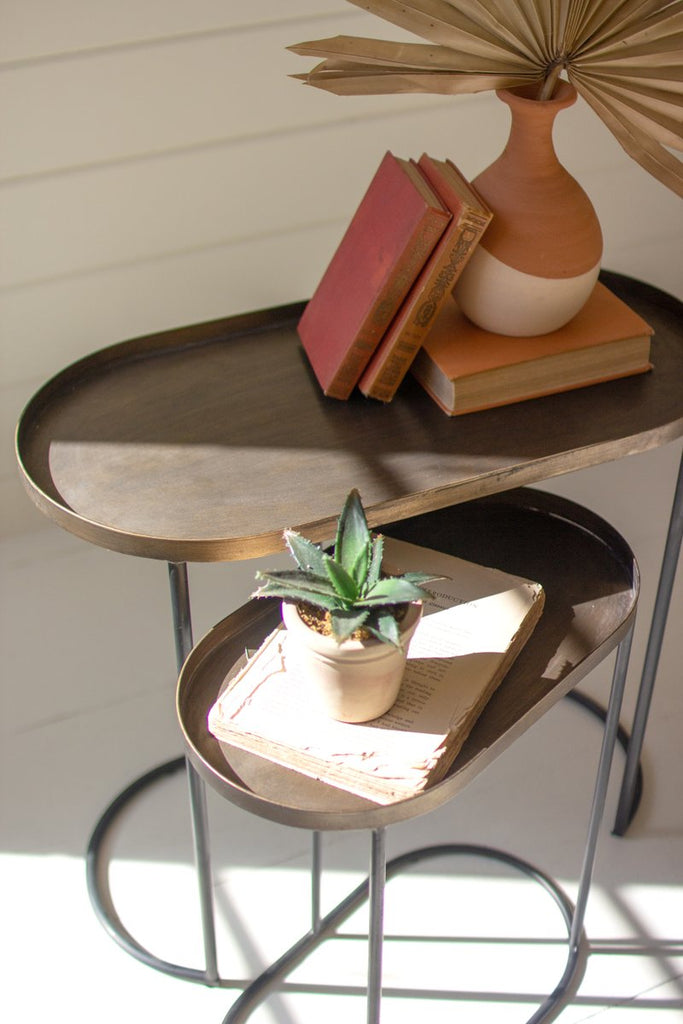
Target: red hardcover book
(465, 368)
(470, 218)
(395, 228)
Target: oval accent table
(203, 443)
(590, 580)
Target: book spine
(387, 302)
(411, 326)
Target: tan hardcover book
(395, 228)
(468, 638)
(465, 368)
(470, 218)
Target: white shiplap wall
(158, 167)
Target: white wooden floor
(88, 682)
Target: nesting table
(202, 443)
(590, 581)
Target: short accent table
(202, 443)
(590, 581)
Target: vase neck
(530, 144)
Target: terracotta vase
(354, 681)
(540, 256)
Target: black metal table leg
(97, 854)
(182, 624)
(629, 795)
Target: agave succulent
(348, 583)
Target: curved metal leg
(629, 796)
(97, 876)
(274, 975)
(97, 864)
(373, 889)
(597, 811)
(632, 779)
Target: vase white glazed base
(355, 681)
(503, 300)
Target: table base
(524, 513)
(372, 889)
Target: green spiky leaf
(349, 583)
(420, 577)
(360, 568)
(353, 535)
(342, 581)
(345, 623)
(294, 585)
(299, 596)
(384, 626)
(375, 566)
(307, 555)
(394, 590)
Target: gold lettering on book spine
(446, 276)
(470, 233)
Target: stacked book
(384, 306)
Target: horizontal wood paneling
(54, 323)
(123, 104)
(127, 212)
(40, 29)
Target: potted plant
(349, 620)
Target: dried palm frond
(625, 57)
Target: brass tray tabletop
(203, 443)
(591, 585)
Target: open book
(469, 635)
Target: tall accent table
(202, 443)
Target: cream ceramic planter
(354, 681)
